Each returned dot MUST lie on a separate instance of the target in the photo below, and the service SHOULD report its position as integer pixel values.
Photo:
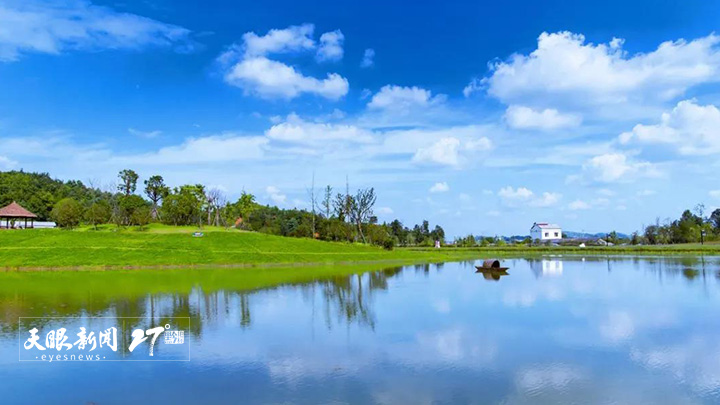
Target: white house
(545, 231)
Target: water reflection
(492, 274)
(560, 330)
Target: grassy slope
(169, 246)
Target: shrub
(388, 244)
(67, 213)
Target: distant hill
(584, 235)
(570, 235)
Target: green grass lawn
(168, 246)
(160, 246)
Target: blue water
(553, 330)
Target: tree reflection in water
(203, 296)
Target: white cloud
(439, 188)
(564, 68)
(474, 86)
(714, 193)
(523, 196)
(578, 205)
(449, 150)
(31, 26)
(521, 117)
(331, 46)
(368, 58)
(617, 167)
(393, 97)
(295, 130)
(144, 134)
(445, 151)
(384, 211)
(646, 193)
(296, 38)
(493, 213)
(247, 66)
(692, 128)
(209, 149)
(275, 195)
(478, 145)
(271, 79)
(7, 163)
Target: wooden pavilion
(14, 213)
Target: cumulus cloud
(331, 46)
(52, 27)
(368, 58)
(271, 79)
(448, 151)
(296, 130)
(443, 152)
(393, 97)
(276, 196)
(566, 68)
(694, 129)
(521, 117)
(579, 205)
(522, 196)
(249, 67)
(474, 86)
(617, 167)
(439, 188)
(295, 38)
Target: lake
(553, 330)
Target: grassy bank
(712, 248)
(162, 246)
(167, 247)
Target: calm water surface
(554, 330)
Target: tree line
(333, 216)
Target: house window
(556, 234)
(547, 234)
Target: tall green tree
(128, 181)
(155, 190)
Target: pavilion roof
(15, 210)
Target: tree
(313, 203)
(216, 201)
(98, 213)
(128, 181)
(67, 213)
(141, 216)
(362, 208)
(438, 234)
(327, 201)
(184, 206)
(715, 219)
(127, 205)
(155, 190)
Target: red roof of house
(14, 210)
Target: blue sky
(481, 116)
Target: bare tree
(362, 208)
(313, 203)
(215, 201)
